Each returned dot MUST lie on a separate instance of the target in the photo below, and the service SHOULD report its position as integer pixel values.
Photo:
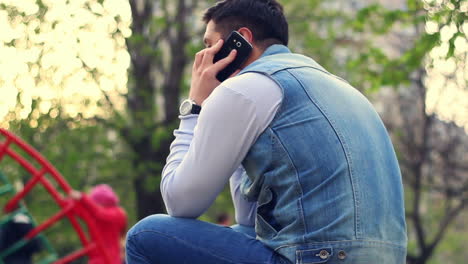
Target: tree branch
(450, 217)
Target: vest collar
(275, 49)
(272, 50)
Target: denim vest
(324, 172)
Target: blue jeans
(171, 240)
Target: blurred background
(95, 85)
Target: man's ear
(246, 33)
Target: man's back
(324, 171)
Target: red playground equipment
(58, 188)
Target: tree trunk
(149, 163)
(143, 136)
(148, 202)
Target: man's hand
(204, 72)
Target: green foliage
(369, 67)
(160, 134)
(377, 19)
(136, 39)
(452, 250)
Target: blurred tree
(433, 160)
(159, 50)
(54, 57)
(432, 153)
(62, 52)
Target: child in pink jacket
(111, 219)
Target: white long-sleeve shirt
(208, 148)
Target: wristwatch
(188, 106)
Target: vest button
(323, 254)
(341, 255)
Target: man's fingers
(218, 66)
(198, 59)
(216, 47)
(211, 52)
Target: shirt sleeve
(207, 150)
(244, 210)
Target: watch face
(185, 107)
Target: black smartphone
(234, 41)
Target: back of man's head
(264, 18)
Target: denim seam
(295, 123)
(191, 245)
(344, 243)
(130, 241)
(299, 187)
(346, 153)
(310, 67)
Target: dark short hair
(264, 18)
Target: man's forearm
(178, 150)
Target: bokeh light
(64, 52)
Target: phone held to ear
(234, 41)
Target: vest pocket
(266, 225)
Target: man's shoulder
(249, 89)
(251, 83)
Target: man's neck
(255, 55)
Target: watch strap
(195, 109)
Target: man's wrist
(188, 107)
(188, 123)
(197, 99)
